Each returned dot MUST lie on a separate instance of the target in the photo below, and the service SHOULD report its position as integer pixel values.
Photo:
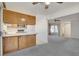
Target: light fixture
(23, 19)
(47, 3)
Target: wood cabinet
(22, 18)
(12, 17)
(27, 41)
(32, 20)
(17, 43)
(9, 17)
(32, 40)
(10, 44)
(23, 42)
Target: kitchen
(23, 27)
(18, 31)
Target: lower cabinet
(23, 42)
(10, 44)
(27, 41)
(32, 40)
(19, 42)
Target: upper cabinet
(11, 17)
(31, 20)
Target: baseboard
(70, 38)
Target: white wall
(0, 31)
(1, 11)
(75, 28)
(74, 19)
(41, 29)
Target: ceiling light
(47, 3)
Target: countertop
(18, 34)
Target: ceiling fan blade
(4, 5)
(46, 6)
(60, 2)
(34, 3)
(56, 20)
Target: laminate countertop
(18, 34)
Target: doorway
(65, 30)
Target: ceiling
(27, 7)
(66, 18)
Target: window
(54, 29)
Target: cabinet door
(27, 41)
(22, 18)
(9, 17)
(10, 44)
(31, 20)
(23, 42)
(26, 19)
(31, 40)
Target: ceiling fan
(46, 3)
(56, 20)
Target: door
(10, 44)
(67, 29)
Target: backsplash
(12, 30)
(30, 28)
